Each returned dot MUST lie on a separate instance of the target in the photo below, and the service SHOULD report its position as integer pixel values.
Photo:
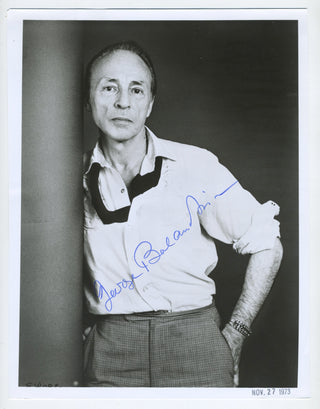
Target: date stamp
(270, 392)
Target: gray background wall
(51, 214)
(230, 87)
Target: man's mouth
(121, 120)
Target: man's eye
(109, 88)
(137, 91)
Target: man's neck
(127, 156)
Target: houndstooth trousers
(158, 349)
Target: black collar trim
(138, 186)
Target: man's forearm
(260, 274)
(261, 271)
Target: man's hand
(235, 342)
(85, 333)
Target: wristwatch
(240, 327)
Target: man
(152, 209)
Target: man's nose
(123, 100)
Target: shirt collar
(156, 147)
(96, 156)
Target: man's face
(120, 95)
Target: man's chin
(120, 133)
(119, 136)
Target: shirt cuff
(263, 231)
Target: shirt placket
(144, 280)
(121, 199)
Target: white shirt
(160, 258)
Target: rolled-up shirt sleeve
(235, 216)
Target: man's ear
(150, 108)
(88, 106)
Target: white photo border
(15, 41)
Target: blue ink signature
(151, 255)
(145, 255)
(100, 291)
(228, 188)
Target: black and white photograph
(159, 195)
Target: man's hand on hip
(235, 342)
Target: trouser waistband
(157, 314)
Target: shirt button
(122, 190)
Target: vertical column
(51, 219)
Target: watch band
(240, 327)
